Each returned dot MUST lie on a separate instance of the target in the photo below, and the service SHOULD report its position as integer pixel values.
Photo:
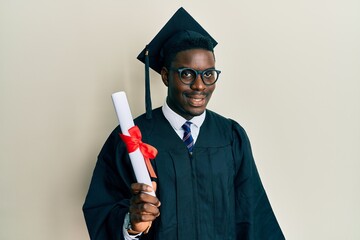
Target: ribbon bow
(134, 142)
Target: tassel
(148, 106)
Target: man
(207, 185)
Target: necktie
(188, 140)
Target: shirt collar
(176, 121)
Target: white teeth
(197, 99)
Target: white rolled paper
(126, 122)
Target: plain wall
(290, 76)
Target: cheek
(176, 88)
(211, 89)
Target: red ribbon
(134, 142)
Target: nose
(198, 84)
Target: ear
(165, 76)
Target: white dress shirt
(176, 121)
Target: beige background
(290, 76)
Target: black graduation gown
(215, 194)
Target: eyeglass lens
(189, 75)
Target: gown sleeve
(255, 219)
(107, 200)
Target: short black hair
(184, 40)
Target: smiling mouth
(196, 101)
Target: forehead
(194, 58)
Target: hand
(144, 208)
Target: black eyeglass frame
(197, 72)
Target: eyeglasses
(188, 75)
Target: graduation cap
(180, 33)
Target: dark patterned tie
(188, 140)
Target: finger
(140, 226)
(144, 209)
(144, 216)
(138, 218)
(140, 187)
(145, 198)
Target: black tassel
(147, 86)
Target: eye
(209, 74)
(187, 74)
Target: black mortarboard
(181, 27)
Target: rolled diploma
(126, 122)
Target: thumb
(154, 185)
